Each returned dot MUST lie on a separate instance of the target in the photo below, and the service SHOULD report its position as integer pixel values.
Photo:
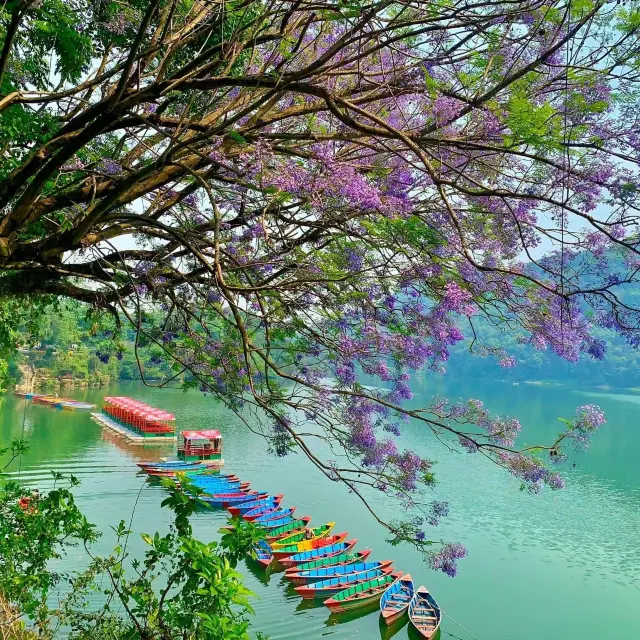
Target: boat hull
(341, 560)
(310, 591)
(324, 573)
(308, 545)
(426, 626)
(292, 561)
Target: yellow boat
(318, 532)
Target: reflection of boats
(54, 401)
(424, 613)
(395, 600)
(135, 450)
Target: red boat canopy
(206, 434)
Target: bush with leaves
(181, 589)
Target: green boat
(318, 532)
(286, 528)
(362, 594)
(332, 561)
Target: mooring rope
(456, 622)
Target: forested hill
(70, 345)
(619, 368)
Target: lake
(555, 565)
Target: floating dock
(129, 434)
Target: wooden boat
(168, 464)
(223, 500)
(340, 560)
(302, 576)
(361, 594)
(261, 553)
(277, 530)
(319, 532)
(335, 584)
(395, 600)
(263, 518)
(322, 552)
(424, 613)
(308, 545)
(265, 503)
(171, 473)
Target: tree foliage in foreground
(321, 189)
(181, 589)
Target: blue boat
(226, 500)
(270, 502)
(330, 586)
(261, 553)
(268, 516)
(169, 464)
(274, 524)
(322, 573)
(214, 487)
(322, 552)
(395, 600)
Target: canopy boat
(263, 518)
(340, 560)
(424, 613)
(145, 420)
(277, 530)
(269, 502)
(308, 545)
(261, 553)
(335, 584)
(322, 552)
(223, 500)
(395, 600)
(313, 534)
(204, 445)
(361, 594)
(332, 571)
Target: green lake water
(559, 565)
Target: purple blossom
(445, 560)
(110, 167)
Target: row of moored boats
(320, 563)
